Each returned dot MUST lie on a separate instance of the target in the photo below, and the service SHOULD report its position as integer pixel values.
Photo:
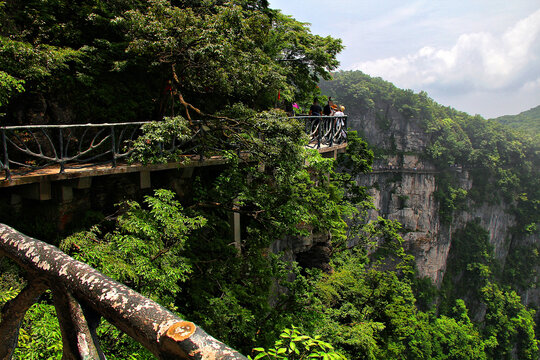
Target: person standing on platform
(315, 109)
(328, 107)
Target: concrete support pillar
(39, 191)
(234, 218)
(83, 183)
(66, 193)
(187, 173)
(16, 200)
(145, 180)
(237, 232)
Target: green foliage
(34, 63)
(144, 251)
(8, 87)
(518, 272)
(118, 346)
(40, 336)
(111, 61)
(292, 197)
(450, 144)
(527, 122)
(367, 308)
(468, 266)
(507, 326)
(11, 282)
(295, 345)
(451, 197)
(151, 147)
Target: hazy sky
(478, 56)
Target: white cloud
(532, 86)
(479, 61)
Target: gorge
(418, 242)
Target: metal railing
(82, 295)
(24, 149)
(325, 130)
(33, 147)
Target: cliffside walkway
(44, 153)
(82, 296)
(404, 170)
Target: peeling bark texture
(13, 315)
(141, 318)
(93, 320)
(78, 341)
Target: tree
(124, 60)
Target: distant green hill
(527, 121)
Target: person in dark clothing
(315, 109)
(328, 107)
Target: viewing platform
(40, 154)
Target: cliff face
(403, 188)
(407, 195)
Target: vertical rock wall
(403, 187)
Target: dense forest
(527, 122)
(227, 61)
(503, 162)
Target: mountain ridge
(526, 121)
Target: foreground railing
(82, 295)
(24, 149)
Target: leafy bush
(294, 345)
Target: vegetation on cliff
(526, 122)
(505, 165)
(112, 61)
(505, 170)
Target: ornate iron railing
(325, 131)
(82, 295)
(28, 148)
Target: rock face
(403, 188)
(389, 130)
(408, 195)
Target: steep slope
(438, 170)
(526, 121)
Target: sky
(478, 56)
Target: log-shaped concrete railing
(82, 295)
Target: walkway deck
(52, 173)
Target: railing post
(77, 338)
(333, 123)
(345, 120)
(319, 131)
(113, 146)
(62, 166)
(162, 332)
(13, 315)
(6, 157)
